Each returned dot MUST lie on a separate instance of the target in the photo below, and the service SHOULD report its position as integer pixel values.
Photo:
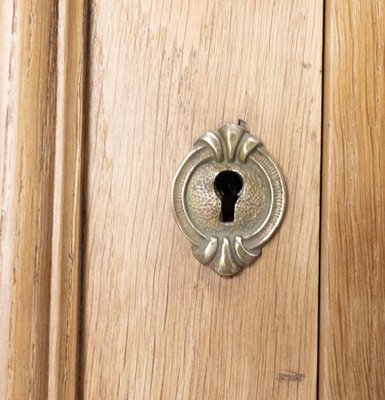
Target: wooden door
(101, 297)
(162, 74)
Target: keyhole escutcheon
(228, 186)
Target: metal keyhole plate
(228, 198)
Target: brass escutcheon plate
(228, 198)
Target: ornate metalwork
(228, 246)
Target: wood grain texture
(352, 341)
(67, 213)
(156, 323)
(41, 85)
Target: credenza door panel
(157, 324)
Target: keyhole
(228, 186)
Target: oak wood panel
(352, 342)
(156, 324)
(41, 117)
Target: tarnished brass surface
(227, 247)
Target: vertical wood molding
(352, 341)
(66, 260)
(41, 117)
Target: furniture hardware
(228, 198)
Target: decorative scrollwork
(227, 256)
(229, 143)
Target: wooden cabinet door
(101, 297)
(156, 324)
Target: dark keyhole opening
(228, 186)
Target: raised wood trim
(352, 324)
(41, 113)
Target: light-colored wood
(67, 212)
(41, 115)
(157, 324)
(352, 341)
